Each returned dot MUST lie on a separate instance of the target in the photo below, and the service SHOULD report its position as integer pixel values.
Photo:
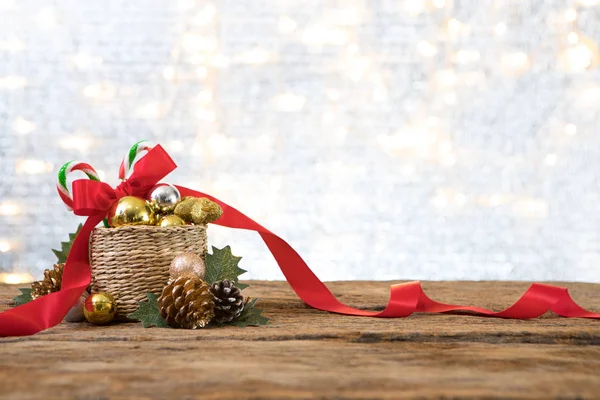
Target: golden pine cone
(51, 282)
(198, 210)
(187, 303)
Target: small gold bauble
(130, 210)
(187, 265)
(170, 220)
(164, 197)
(100, 308)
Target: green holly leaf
(221, 264)
(24, 297)
(65, 247)
(148, 313)
(251, 316)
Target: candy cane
(62, 186)
(134, 151)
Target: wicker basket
(130, 261)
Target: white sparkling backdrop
(383, 139)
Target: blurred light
(206, 115)
(12, 44)
(332, 94)
(515, 62)
(570, 129)
(4, 246)
(23, 126)
(15, 278)
(169, 73)
(589, 3)
(531, 208)
(577, 58)
(100, 91)
(202, 72)
(550, 159)
(446, 78)
(466, 56)
(10, 208)
(204, 97)
(220, 61)
(357, 67)
(573, 38)
(220, 145)
(324, 35)
(426, 49)
(32, 166)
(288, 102)
(450, 98)
(175, 146)
(194, 42)
(286, 25)
(81, 143)
(345, 16)
(46, 18)
(500, 29)
(456, 27)
(12, 82)
(205, 16)
(571, 14)
(415, 7)
(255, 56)
(150, 110)
(83, 61)
(439, 3)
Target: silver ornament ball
(164, 197)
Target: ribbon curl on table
(93, 199)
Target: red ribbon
(93, 199)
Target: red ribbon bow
(93, 199)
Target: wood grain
(305, 353)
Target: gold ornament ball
(187, 265)
(170, 220)
(130, 210)
(164, 197)
(100, 308)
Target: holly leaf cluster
(148, 313)
(221, 264)
(65, 247)
(61, 256)
(24, 297)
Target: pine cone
(187, 303)
(51, 282)
(229, 301)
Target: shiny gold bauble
(189, 265)
(100, 308)
(131, 210)
(164, 197)
(170, 220)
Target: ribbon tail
(48, 311)
(405, 298)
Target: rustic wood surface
(305, 353)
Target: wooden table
(305, 353)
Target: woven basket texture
(130, 261)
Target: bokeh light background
(383, 139)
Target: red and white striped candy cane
(62, 184)
(127, 164)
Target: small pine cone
(229, 301)
(187, 303)
(51, 282)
